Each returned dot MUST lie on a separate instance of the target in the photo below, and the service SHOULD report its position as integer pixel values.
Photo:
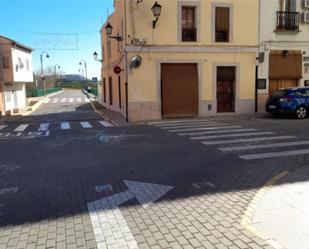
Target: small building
(15, 72)
(283, 49)
(182, 58)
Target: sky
(69, 30)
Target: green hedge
(38, 92)
(94, 91)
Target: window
(306, 68)
(103, 53)
(119, 90)
(261, 84)
(290, 5)
(104, 90)
(6, 62)
(188, 23)
(222, 24)
(27, 65)
(110, 88)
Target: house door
(275, 85)
(179, 88)
(226, 89)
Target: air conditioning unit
(305, 4)
(305, 17)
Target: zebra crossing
(66, 100)
(44, 129)
(246, 142)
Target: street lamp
(85, 64)
(109, 31)
(42, 70)
(156, 11)
(95, 56)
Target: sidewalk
(282, 215)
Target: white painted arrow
(110, 228)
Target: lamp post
(57, 66)
(42, 70)
(85, 64)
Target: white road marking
(46, 100)
(109, 226)
(65, 126)
(264, 146)
(19, 134)
(22, 127)
(86, 125)
(200, 133)
(71, 100)
(55, 100)
(233, 135)
(47, 133)
(202, 184)
(189, 123)
(7, 134)
(275, 154)
(43, 127)
(175, 121)
(63, 100)
(192, 126)
(87, 100)
(105, 123)
(207, 128)
(79, 100)
(247, 140)
(2, 127)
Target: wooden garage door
(275, 85)
(179, 90)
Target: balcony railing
(287, 21)
(188, 34)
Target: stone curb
(249, 213)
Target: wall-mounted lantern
(285, 53)
(156, 11)
(109, 31)
(95, 56)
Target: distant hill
(72, 77)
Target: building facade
(283, 46)
(15, 71)
(197, 58)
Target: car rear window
(280, 93)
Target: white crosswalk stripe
(21, 127)
(275, 154)
(87, 100)
(264, 146)
(43, 127)
(247, 140)
(63, 100)
(105, 123)
(79, 100)
(182, 124)
(206, 128)
(233, 135)
(46, 100)
(71, 100)
(65, 126)
(190, 121)
(55, 100)
(86, 125)
(193, 126)
(200, 133)
(2, 127)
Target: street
(70, 179)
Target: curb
(37, 105)
(102, 115)
(249, 213)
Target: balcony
(288, 21)
(188, 34)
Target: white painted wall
(270, 40)
(22, 72)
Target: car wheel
(301, 112)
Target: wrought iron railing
(288, 21)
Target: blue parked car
(289, 101)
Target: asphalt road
(80, 183)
